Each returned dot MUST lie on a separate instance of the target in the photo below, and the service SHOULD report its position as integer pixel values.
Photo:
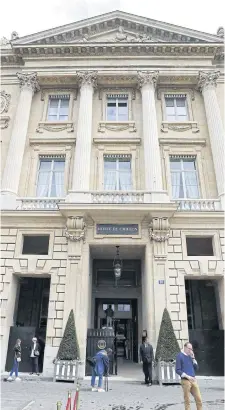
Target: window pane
(64, 103)
(181, 102)
(191, 183)
(169, 102)
(189, 164)
(110, 164)
(170, 111)
(59, 165)
(45, 165)
(109, 177)
(177, 185)
(181, 111)
(53, 103)
(124, 164)
(122, 111)
(175, 164)
(111, 112)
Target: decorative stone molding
(75, 228)
(159, 229)
(28, 81)
(117, 126)
(208, 79)
(117, 90)
(180, 126)
(87, 78)
(220, 32)
(55, 126)
(4, 122)
(147, 77)
(4, 101)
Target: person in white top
(34, 356)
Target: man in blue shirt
(185, 367)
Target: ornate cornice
(87, 78)
(159, 229)
(75, 228)
(208, 79)
(147, 77)
(28, 81)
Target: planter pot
(66, 370)
(166, 373)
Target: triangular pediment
(117, 27)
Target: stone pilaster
(77, 281)
(14, 160)
(207, 85)
(159, 232)
(153, 171)
(82, 158)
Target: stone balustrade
(30, 204)
(203, 205)
(117, 197)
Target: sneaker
(17, 379)
(94, 389)
(31, 373)
(101, 390)
(10, 379)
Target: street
(122, 395)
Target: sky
(28, 17)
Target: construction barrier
(167, 373)
(66, 370)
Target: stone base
(9, 201)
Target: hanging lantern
(117, 265)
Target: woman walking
(17, 359)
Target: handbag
(18, 359)
(36, 353)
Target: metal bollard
(68, 406)
(58, 405)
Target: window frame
(53, 97)
(180, 151)
(34, 232)
(162, 95)
(52, 158)
(115, 97)
(182, 171)
(175, 98)
(47, 151)
(205, 233)
(117, 157)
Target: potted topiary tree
(166, 352)
(68, 357)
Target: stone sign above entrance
(117, 229)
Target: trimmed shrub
(69, 348)
(167, 346)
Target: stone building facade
(112, 135)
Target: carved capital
(147, 77)
(207, 79)
(4, 101)
(87, 78)
(159, 229)
(28, 81)
(75, 228)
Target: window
(58, 108)
(176, 107)
(117, 173)
(124, 307)
(51, 177)
(184, 177)
(35, 245)
(117, 107)
(199, 246)
(106, 306)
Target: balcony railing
(119, 197)
(204, 205)
(29, 204)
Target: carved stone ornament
(5, 43)
(75, 228)
(147, 77)
(87, 78)
(220, 32)
(118, 126)
(122, 36)
(179, 127)
(207, 79)
(4, 101)
(159, 229)
(28, 81)
(55, 127)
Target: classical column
(207, 85)
(14, 160)
(82, 159)
(153, 170)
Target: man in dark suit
(147, 356)
(34, 356)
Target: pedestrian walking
(16, 361)
(186, 365)
(100, 368)
(34, 356)
(147, 357)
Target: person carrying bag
(17, 360)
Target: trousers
(193, 388)
(34, 364)
(100, 379)
(15, 368)
(147, 369)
